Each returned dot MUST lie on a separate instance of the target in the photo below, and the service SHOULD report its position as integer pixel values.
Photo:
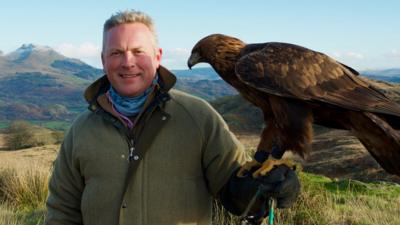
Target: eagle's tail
(379, 138)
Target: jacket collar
(101, 85)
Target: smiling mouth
(128, 75)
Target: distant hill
(240, 115)
(203, 82)
(206, 89)
(389, 75)
(206, 73)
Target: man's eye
(115, 53)
(138, 52)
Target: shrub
(22, 134)
(58, 136)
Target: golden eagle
(296, 87)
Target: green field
(53, 125)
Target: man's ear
(103, 62)
(102, 58)
(159, 52)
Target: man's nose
(128, 59)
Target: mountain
(36, 58)
(206, 73)
(389, 75)
(40, 83)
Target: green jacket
(182, 155)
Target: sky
(362, 34)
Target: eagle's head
(220, 51)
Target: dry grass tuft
(7, 216)
(24, 189)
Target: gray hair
(130, 16)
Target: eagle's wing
(295, 72)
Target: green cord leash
(271, 215)
(271, 202)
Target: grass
(53, 125)
(23, 193)
(7, 216)
(4, 124)
(328, 202)
(323, 201)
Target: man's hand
(281, 183)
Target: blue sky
(362, 34)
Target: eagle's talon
(247, 168)
(268, 165)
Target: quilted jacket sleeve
(222, 153)
(65, 188)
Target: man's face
(130, 58)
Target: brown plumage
(295, 87)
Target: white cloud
(394, 53)
(348, 55)
(355, 55)
(359, 61)
(87, 52)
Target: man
(144, 153)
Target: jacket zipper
(131, 148)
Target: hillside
(338, 154)
(389, 75)
(206, 89)
(38, 83)
(240, 115)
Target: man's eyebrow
(122, 49)
(114, 49)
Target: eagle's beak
(193, 60)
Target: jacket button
(164, 118)
(136, 157)
(124, 205)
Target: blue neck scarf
(130, 106)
